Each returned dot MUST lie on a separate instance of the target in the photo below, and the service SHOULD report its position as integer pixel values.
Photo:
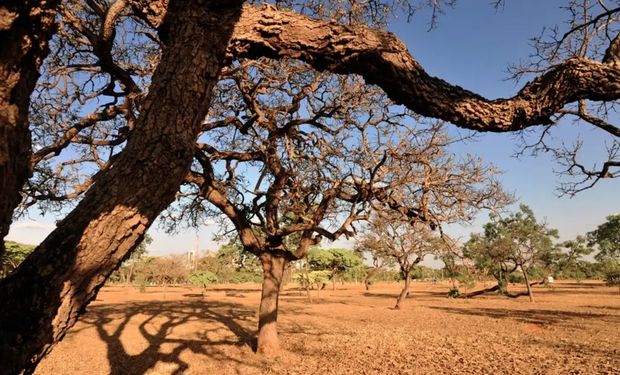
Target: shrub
(202, 278)
(454, 293)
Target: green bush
(612, 278)
(246, 277)
(515, 278)
(202, 278)
(454, 293)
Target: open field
(570, 329)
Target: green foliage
(314, 280)
(606, 238)
(245, 277)
(454, 292)
(335, 260)
(234, 255)
(202, 278)
(319, 278)
(15, 254)
(612, 278)
(518, 240)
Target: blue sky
(471, 47)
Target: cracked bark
(382, 59)
(45, 296)
(25, 29)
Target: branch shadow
(156, 322)
(535, 316)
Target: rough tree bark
(403, 293)
(382, 59)
(25, 30)
(273, 270)
(45, 296)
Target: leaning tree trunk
(530, 293)
(273, 270)
(25, 30)
(403, 293)
(43, 298)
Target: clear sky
(471, 47)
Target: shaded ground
(570, 329)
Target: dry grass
(570, 329)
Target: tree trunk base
(268, 343)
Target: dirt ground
(570, 329)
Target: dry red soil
(570, 329)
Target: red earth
(572, 328)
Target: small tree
(517, 242)
(407, 244)
(336, 261)
(202, 278)
(127, 269)
(378, 260)
(14, 254)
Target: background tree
(606, 239)
(202, 279)
(291, 156)
(128, 267)
(403, 241)
(568, 258)
(517, 242)
(335, 260)
(14, 254)
(379, 262)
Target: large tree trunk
(530, 293)
(44, 297)
(25, 29)
(403, 293)
(273, 269)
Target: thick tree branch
(382, 59)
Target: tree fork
(45, 296)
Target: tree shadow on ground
(414, 294)
(533, 316)
(156, 321)
(616, 308)
(235, 290)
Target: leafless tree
(593, 35)
(291, 156)
(405, 243)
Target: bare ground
(570, 329)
